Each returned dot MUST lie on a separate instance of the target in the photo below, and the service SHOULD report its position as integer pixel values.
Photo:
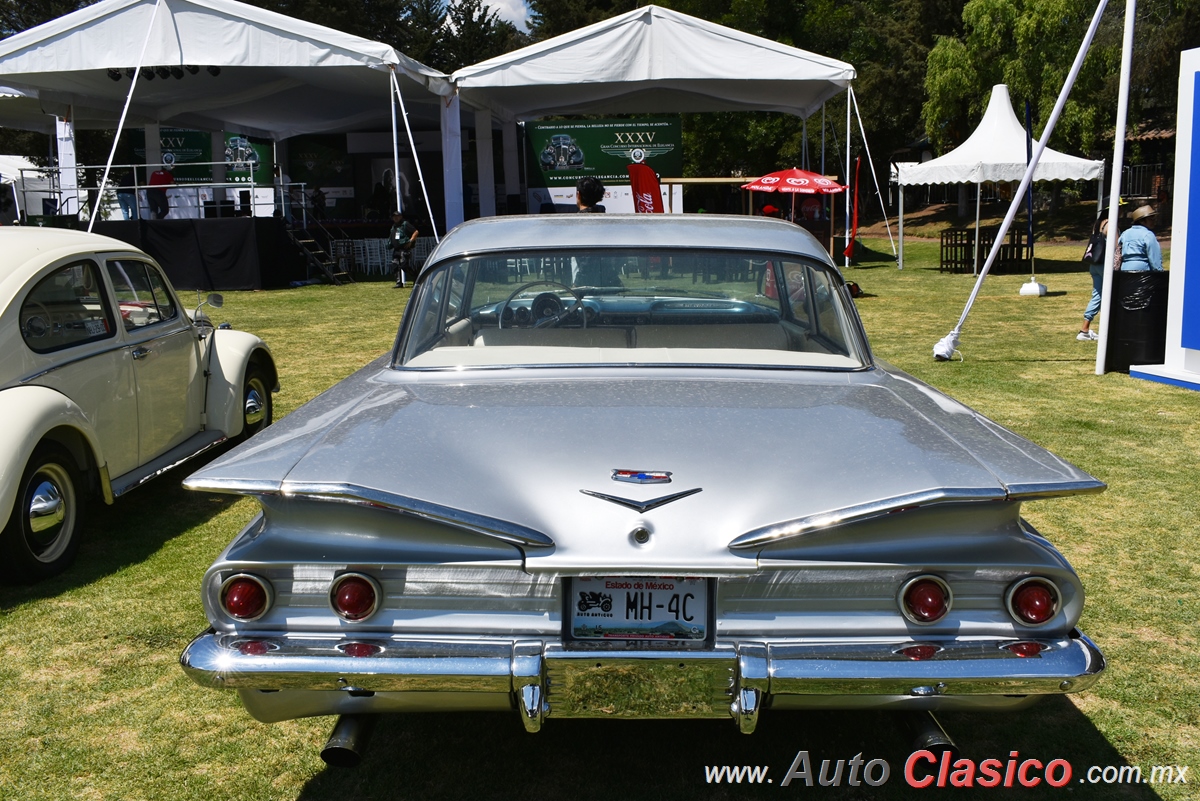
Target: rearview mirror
(215, 300)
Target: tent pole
(978, 197)
(804, 145)
(121, 123)
(945, 347)
(395, 150)
(825, 201)
(878, 192)
(900, 259)
(416, 161)
(846, 258)
(1114, 196)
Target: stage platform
(216, 254)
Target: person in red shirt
(160, 207)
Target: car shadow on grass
(134, 527)
(478, 755)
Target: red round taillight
(245, 597)
(1025, 649)
(360, 649)
(1033, 601)
(920, 651)
(925, 599)
(354, 596)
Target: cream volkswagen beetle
(106, 381)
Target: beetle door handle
(141, 353)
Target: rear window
(632, 306)
(66, 308)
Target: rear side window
(141, 294)
(66, 308)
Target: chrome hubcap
(256, 405)
(50, 512)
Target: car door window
(66, 308)
(141, 294)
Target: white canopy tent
(278, 76)
(649, 60)
(995, 151)
(652, 59)
(22, 183)
(216, 65)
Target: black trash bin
(1137, 330)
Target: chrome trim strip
(973, 668)
(174, 460)
(80, 358)
(642, 506)
(854, 514)
(93, 354)
(503, 530)
(1027, 492)
(233, 486)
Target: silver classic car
(636, 467)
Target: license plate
(638, 608)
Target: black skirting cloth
(215, 254)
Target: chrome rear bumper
(545, 678)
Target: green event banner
(559, 153)
(249, 157)
(187, 152)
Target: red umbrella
(794, 180)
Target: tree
(473, 33)
(1031, 44)
(549, 18)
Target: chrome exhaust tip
(348, 741)
(928, 734)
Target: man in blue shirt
(1138, 248)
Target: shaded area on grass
(455, 756)
(126, 533)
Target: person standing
(161, 178)
(403, 238)
(1097, 264)
(1138, 249)
(589, 191)
(127, 195)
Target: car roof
(584, 231)
(25, 249)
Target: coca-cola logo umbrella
(796, 181)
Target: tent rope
(874, 175)
(94, 212)
(416, 161)
(946, 346)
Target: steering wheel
(44, 316)
(549, 321)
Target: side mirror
(215, 300)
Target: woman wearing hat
(1138, 248)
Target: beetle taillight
(925, 599)
(245, 597)
(354, 596)
(1033, 601)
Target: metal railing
(180, 200)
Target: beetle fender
(235, 350)
(30, 413)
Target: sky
(515, 11)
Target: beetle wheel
(257, 412)
(42, 535)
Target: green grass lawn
(96, 707)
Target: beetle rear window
(66, 308)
